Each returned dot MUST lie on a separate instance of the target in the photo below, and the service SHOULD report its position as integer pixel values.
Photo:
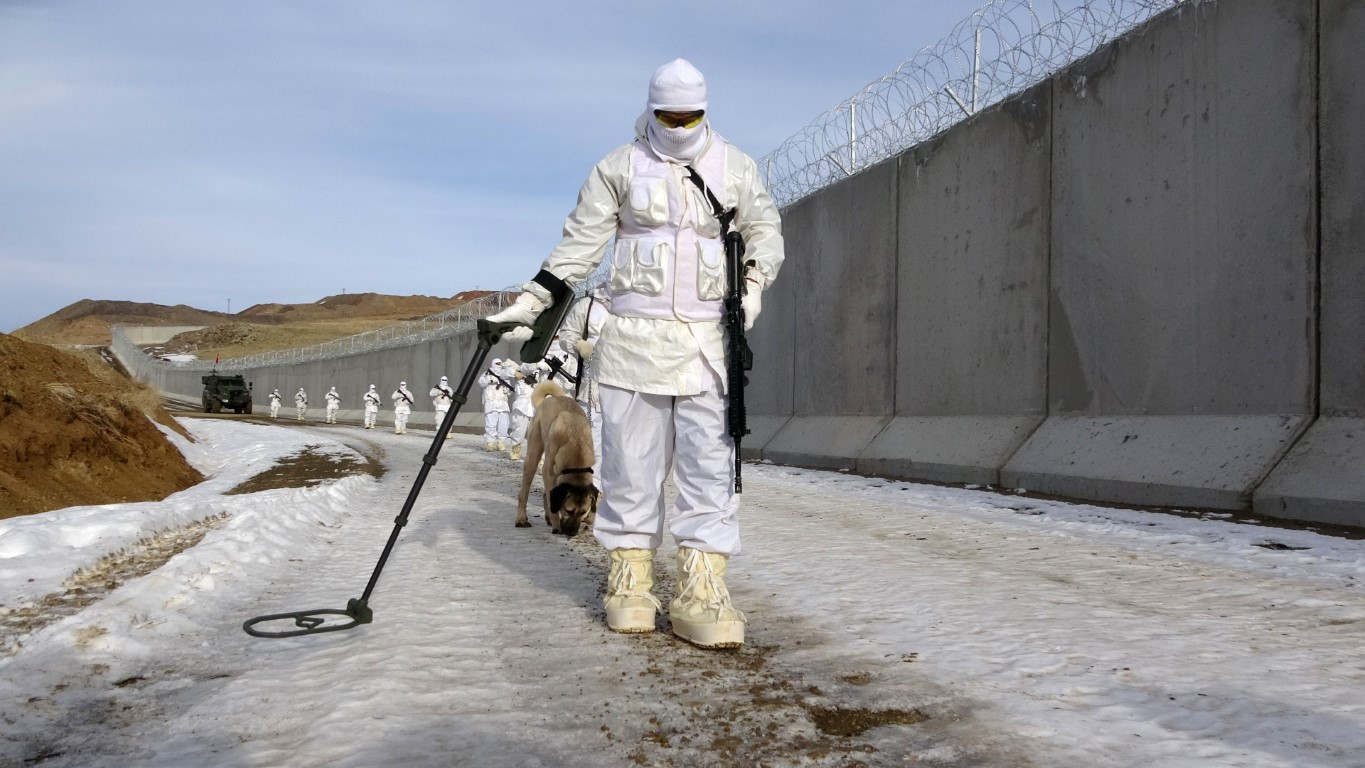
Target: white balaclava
(677, 87)
(371, 387)
(402, 385)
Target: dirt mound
(73, 431)
(213, 337)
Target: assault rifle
(738, 357)
(557, 368)
(502, 382)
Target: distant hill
(88, 321)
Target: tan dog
(560, 432)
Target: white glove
(517, 335)
(752, 303)
(585, 348)
(523, 311)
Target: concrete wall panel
(1343, 209)
(1323, 477)
(773, 339)
(973, 241)
(841, 260)
(1184, 217)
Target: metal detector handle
(358, 609)
(547, 324)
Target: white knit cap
(677, 87)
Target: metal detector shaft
(357, 609)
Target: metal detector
(357, 609)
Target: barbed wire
(1005, 47)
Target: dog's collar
(575, 471)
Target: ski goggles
(679, 119)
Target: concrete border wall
(1113, 287)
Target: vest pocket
(710, 270)
(649, 201)
(640, 266)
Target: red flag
(215, 359)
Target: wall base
(1210, 462)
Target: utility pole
(229, 306)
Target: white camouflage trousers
(516, 432)
(643, 437)
(495, 425)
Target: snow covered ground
(890, 624)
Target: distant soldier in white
(578, 337)
(301, 403)
(275, 401)
(521, 410)
(333, 405)
(495, 407)
(402, 406)
(441, 397)
(372, 401)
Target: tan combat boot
(630, 606)
(515, 453)
(701, 614)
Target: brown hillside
(353, 305)
(302, 325)
(88, 321)
(75, 432)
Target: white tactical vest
(669, 260)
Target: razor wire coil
(1002, 49)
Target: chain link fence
(1002, 49)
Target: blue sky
(227, 154)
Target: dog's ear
(557, 496)
(594, 495)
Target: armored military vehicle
(224, 391)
